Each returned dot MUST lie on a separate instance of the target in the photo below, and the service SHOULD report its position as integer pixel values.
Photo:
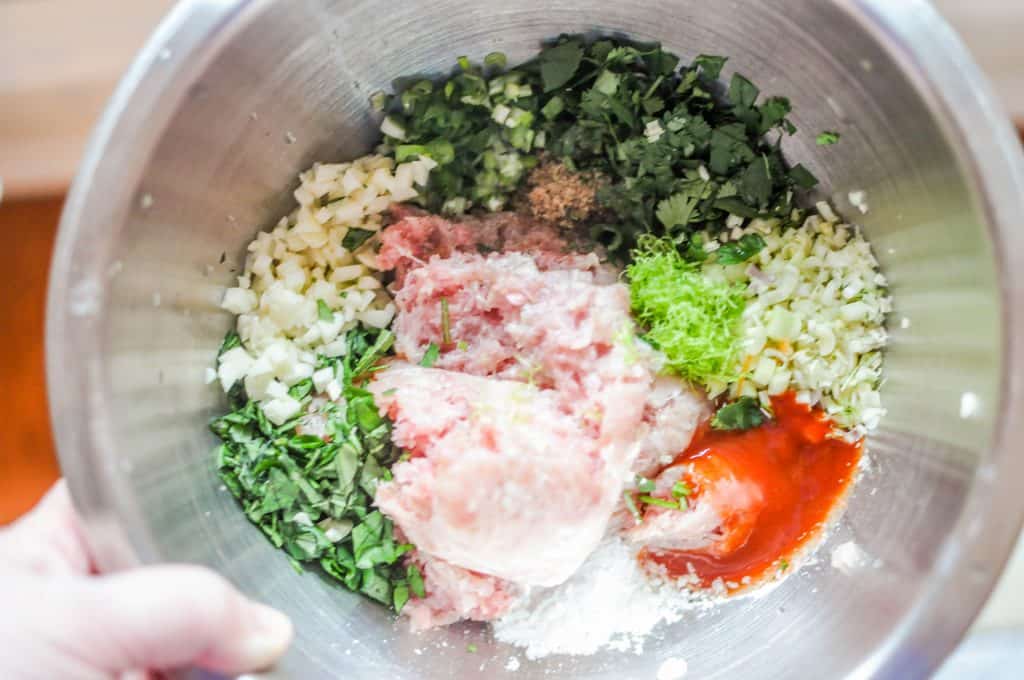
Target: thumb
(173, 616)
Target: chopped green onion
(471, 648)
(644, 485)
(631, 506)
(496, 59)
(660, 502)
(446, 324)
(323, 312)
(680, 489)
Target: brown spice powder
(558, 195)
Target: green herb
(471, 648)
(323, 312)
(313, 496)
(590, 105)
(231, 340)
(415, 579)
(680, 489)
(644, 485)
(632, 507)
(430, 356)
(783, 564)
(462, 345)
(559, 63)
(827, 138)
(446, 323)
(694, 321)
(355, 238)
(660, 502)
(742, 414)
(734, 252)
(496, 60)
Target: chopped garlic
(814, 320)
(303, 263)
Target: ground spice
(558, 195)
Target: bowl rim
(931, 56)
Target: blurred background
(59, 62)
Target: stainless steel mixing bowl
(232, 98)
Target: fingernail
(269, 632)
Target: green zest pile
(693, 320)
(312, 494)
(676, 157)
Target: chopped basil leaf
(802, 177)
(355, 238)
(312, 496)
(430, 356)
(559, 63)
(742, 250)
(742, 414)
(415, 579)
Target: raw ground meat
(722, 514)
(503, 479)
(415, 237)
(454, 594)
(509, 318)
(673, 411)
(526, 430)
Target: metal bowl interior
(200, 149)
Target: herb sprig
(312, 494)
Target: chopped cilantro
(590, 105)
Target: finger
(174, 616)
(49, 540)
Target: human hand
(61, 619)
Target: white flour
(608, 603)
